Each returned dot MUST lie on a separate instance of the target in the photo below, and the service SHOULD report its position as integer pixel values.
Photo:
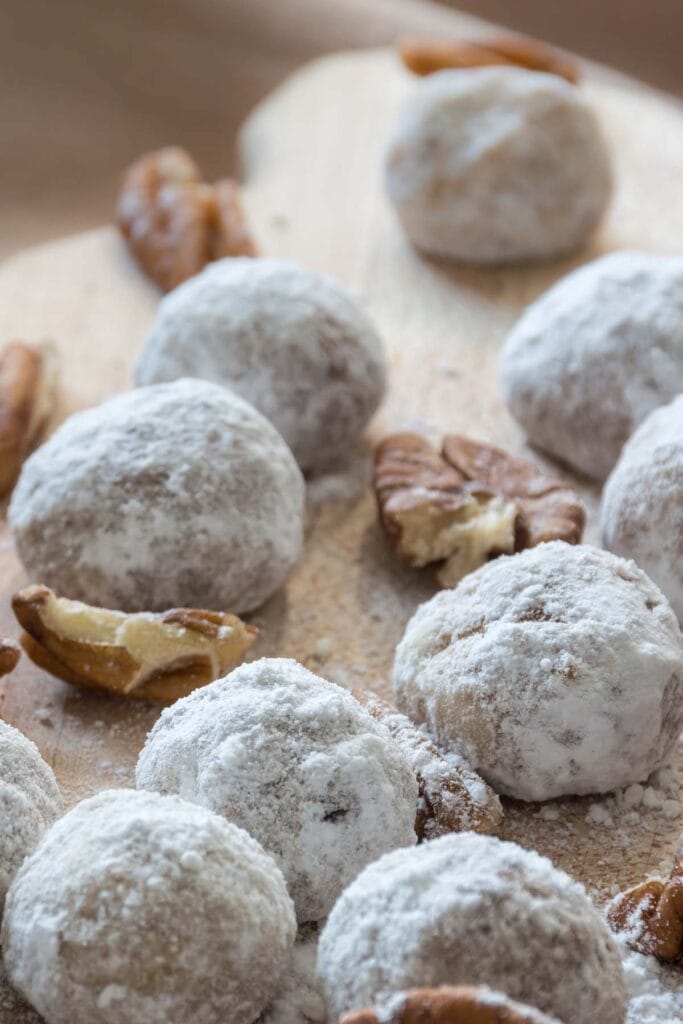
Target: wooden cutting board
(312, 170)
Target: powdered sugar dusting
(179, 495)
(555, 671)
(469, 909)
(298, 763)
(292, 342)
(655, 990)
(595, 354)
(641, 515)
(497, 165)
(29, 801)
(452, 796)
(661, 795)
(158, 940)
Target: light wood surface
(312, 166)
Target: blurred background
(89, 84)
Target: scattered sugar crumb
(44, 716)
(661, 795)
(655, 990)
(322, 649)
(599, 815)
(549, 812)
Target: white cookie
(145, 909)
(556, 671)
(497, 165)
(292, 342)
(178, 495)
(298, 763)
(642, 504)
(29, 801)
(594, 355)
(470, 909)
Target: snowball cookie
(298, 763)
(175, 495)
(642, 504)
(29, 801)
(143, 909)
(594, 355)
(497, 165)
(290, 341)
(470, 909)
(556, 671)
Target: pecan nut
(450, 1005)
(144, 656)
(467, 504)
(424, 57)
(547, 509)
(452, 796)
(432, 514)
(174, 222)
(10, 652)
(651, 915)
(28, 377)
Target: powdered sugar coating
(642, 504)
(292, 342)
(142, 909)
(175, 495)
(470, 909)
(555, 671)
(654, 989)
(29, 801)
(298, 763)
(494, 165)
(595, 354)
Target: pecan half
(450, 1005)
(28, 377)
(452, 796)
(174, 222)
(651, 915)
(467, 504)
(424, 57)
(547, 509)
(145, 656)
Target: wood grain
(312, 158)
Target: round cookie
(29, 801)
(143, 909)
(555, 671)
(290, 341)
(594, 355)
(175, 495)
(642, 504)
(497, 165)
(298, 763)
(470, 909)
